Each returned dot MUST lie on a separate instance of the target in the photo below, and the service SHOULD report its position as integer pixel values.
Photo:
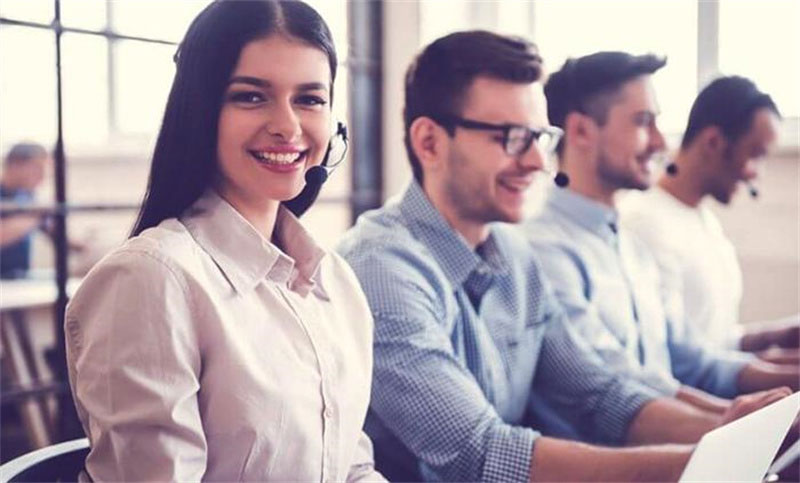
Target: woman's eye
(498, 139)
(309, 100)
(247, 97)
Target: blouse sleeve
(134, 366)
(363, 468)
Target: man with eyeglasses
(604, 278)
(466, 327)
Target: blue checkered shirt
(463, 338)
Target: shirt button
(328, 413)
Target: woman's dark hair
(438, 79)
(184, 161)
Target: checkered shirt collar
(447, 246)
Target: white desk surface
(32, 293)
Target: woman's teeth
(276, 158)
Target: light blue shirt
(463, 339)
(608, 283)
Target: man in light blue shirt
(466, 327)
(606, 280)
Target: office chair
(59, 462)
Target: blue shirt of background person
(23, 171)
(466, 326)
(15, 258)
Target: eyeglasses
(516, 139)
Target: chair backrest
(59, 462)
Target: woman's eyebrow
(253, 81)
(312, 86)
(263, 83)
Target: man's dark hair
(21, 153)
(590, 84)
(438, 79)
(728, 103)
(184, 161)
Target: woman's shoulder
(166, 250)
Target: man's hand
(788, 337)
(783, 333)
(777, 355)
(746, 404)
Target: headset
(672, 170)
(319, 174)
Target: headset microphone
(319, 174)
(560, 179)
(751, 189)
(672, 169)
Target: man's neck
(474, 233)
(584, 181)
(685, 185)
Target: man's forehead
(639, 93)
(504, 100)
(765, 122)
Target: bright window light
(84, 14)
(438, 18)
(572, 28)
(155, 18)
(27, 86)
(766, 50)
(143, 77)
(84, 74)
(29, 10)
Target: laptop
(743, 450)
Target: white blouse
(200, 350)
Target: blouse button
(328, 413)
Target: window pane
(335, 14)
(27, 86)
(84, 14)
(327, 222)
(632, 26)
(30, 10)
(438, 18)
(767, 50)
(155, 18)
(84, 74)
(514, 17)
(140, 99)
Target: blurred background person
(604, 277)
(732, 128)
(24, 168)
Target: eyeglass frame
(531, 134)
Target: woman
(220, 342)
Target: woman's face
(275, 121)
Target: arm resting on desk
(760, 375)
(555, 460)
